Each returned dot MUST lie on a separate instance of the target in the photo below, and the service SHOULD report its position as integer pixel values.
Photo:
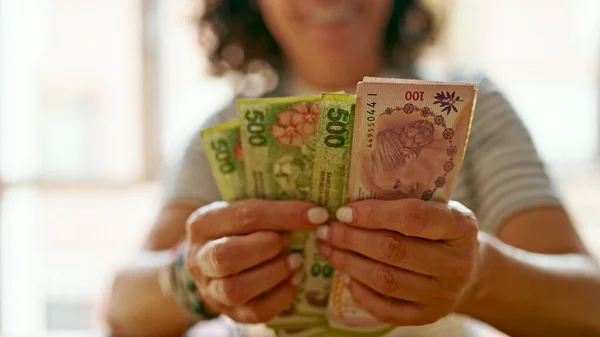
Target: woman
(504, 253)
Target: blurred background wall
(98, 98)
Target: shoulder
(191, 181)
(488, 92)
(223, 114)
(192, 156)
(494, 114)
(487, 89)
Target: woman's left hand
(409, 261)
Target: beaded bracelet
(177, 283)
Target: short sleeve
(508, 176)
(191, 181)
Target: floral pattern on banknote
(412, 154)
(293, 173)
(295, 125)
(447, 101)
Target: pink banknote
(409, 142)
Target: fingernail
(297, 278)
(325, 250)
(322, 232)
(295, 261)
(344, 214)
(317, 215)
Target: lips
(331, 15)
(317, 13)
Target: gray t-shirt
(502, 175)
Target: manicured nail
(317, 215)
(295, 261)
(322, 232)
(297, 278)
(344, 214)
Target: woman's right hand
(238, 255)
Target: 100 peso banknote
(409, 142)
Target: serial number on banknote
(370, 123)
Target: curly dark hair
(233, 33)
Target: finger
(248, 216)
(211, 305)
(384, 279)
(265, 308)
(412, 217)
(231, 255)
(418, 255)
(389, 310)
(240, 288)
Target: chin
(339, 43)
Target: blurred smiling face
(332, 30)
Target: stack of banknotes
(394, 139)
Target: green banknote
(223, 149)
(333, 150)
(328, 188)
(319, 331)
(278, 140)
(289, 321)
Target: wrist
(477, 290)
(177, 284)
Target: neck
(332, 76)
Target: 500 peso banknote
(223, 150)
(330, 174)
(279, 140)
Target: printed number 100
(414, 96)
